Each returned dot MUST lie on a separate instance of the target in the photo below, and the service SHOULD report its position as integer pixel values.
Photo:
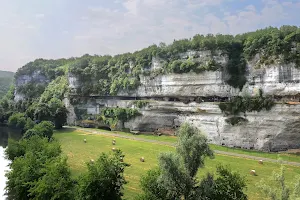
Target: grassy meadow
(79, 153)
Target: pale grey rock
(35, 77)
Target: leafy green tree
(42, 112)
(29, 158)
(17, 120)
(30, 133)
(104, 179)
(228, 185)
(56, 182)
(14, 149)
(153, 189)
(29, 124)
(276, 187)
(178, 170)
(45, 128)
(35, 144)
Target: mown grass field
(79, 153)
(173, 139)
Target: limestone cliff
(173, 99)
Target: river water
(5, 133)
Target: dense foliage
(104, 179)
(6, 80)
(43, 129)
(273, 44)
(176, 176)
(111, 116)
(141, 103)
(20, 121)
(243, 104)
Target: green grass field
(79, 153)
(173, 139)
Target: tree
(276, 188)
(178, 170)
(29, 158)
(17, 120)
(176, 176)
(56, 182)
(29, 124)
(104, 179)
(228, 185)
(42, 112)
(31, 132)
(45, 129)
(153, 190)
(34, 144)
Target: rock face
(35, 77)
(173, 99)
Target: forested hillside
(6, 79)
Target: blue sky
(63, 28)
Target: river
(5, 133)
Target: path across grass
(285, 159)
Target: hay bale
(84, 140)
(261, 162)
(142, 159)
(253, 172)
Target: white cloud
(40, 16)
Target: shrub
(141, 103)
(31, 132)
(17, 120)
(45, 129)
(104, 179)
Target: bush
(17, 120)
(104, 179)
(31, 132)
(29, 124)
(141, 103)
(153, 190)
(44, 129)
(14, 149)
